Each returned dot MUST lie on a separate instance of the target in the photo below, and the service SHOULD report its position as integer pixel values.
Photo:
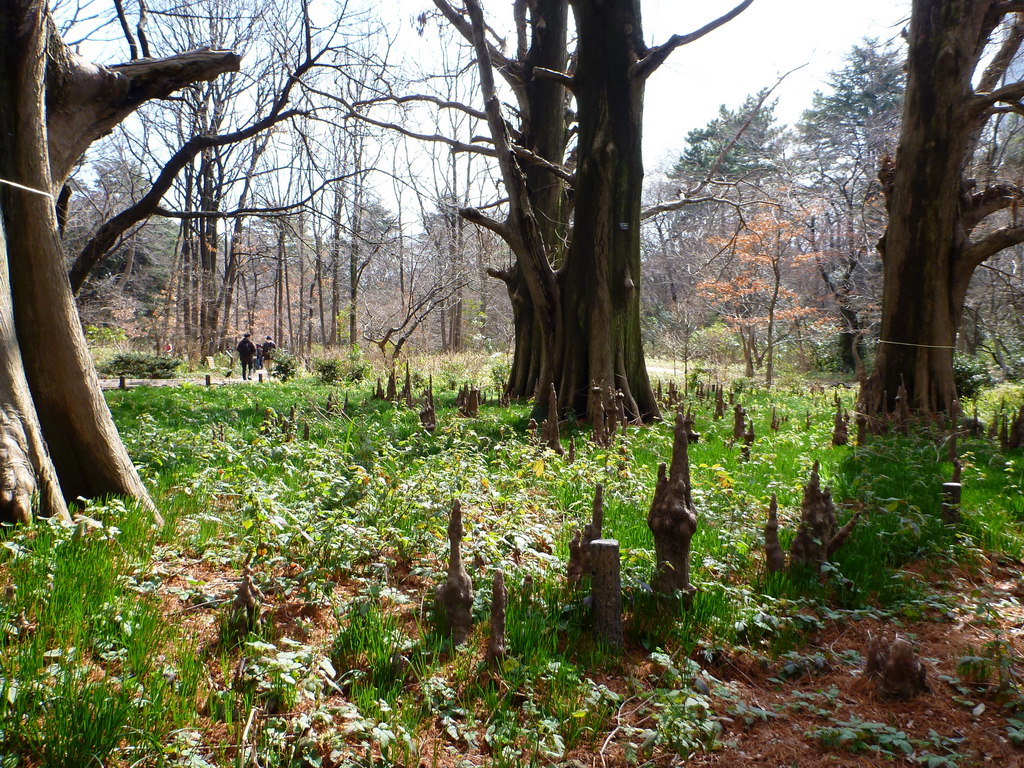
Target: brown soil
(820, 698)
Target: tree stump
(748, 441)
(951, 493)
(606, 591)
(454, 599)
(469, 402)
(673, 519)
(497, 647)
(895, 666)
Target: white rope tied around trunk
(921, 346)
(16, 185)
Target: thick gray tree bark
(928, 252)
(56, 428)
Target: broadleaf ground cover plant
(114, 649)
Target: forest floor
(127, 640)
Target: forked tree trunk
(927, 255)
(576, 311)
(49, 394)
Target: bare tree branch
(133, 48)
(94, 99)
(655, 57)
(107, 235)
(562, 78)
(140, 29)
(474, 215)
(534, 159)
(418, 98)
(1008, 94)
(1004, 237)
(437, 138)
(676, 205)
(692, 195)
(262, 211)
(978, 206)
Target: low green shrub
(329, 371)
(140, 365)
(286, 365)
(971, 376)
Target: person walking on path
(268, 352)
(246, 354)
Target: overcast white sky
(767, 40)
(751, 52)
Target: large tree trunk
(920, 312)
(927, 256)
(49, 394)
(601, 277)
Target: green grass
(353, 520)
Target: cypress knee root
(550, 428)
(497, 648)
(673, 518)
(454, 599)
(579, 547)
(245, 610)
(895, 666)
(817, 538)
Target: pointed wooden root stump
(774, 558)
(406, 395)
(673, 519)
(606, 592)
(428, 416)
(454, 599)
(244, 613)
(1015, 431)
(497, 647)
(841, 425)
(895, 666)
(748, 441)
(392, 394)
(817, 538)
(468, 402)
(739, 423)
(550, 429)
(579, 547)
